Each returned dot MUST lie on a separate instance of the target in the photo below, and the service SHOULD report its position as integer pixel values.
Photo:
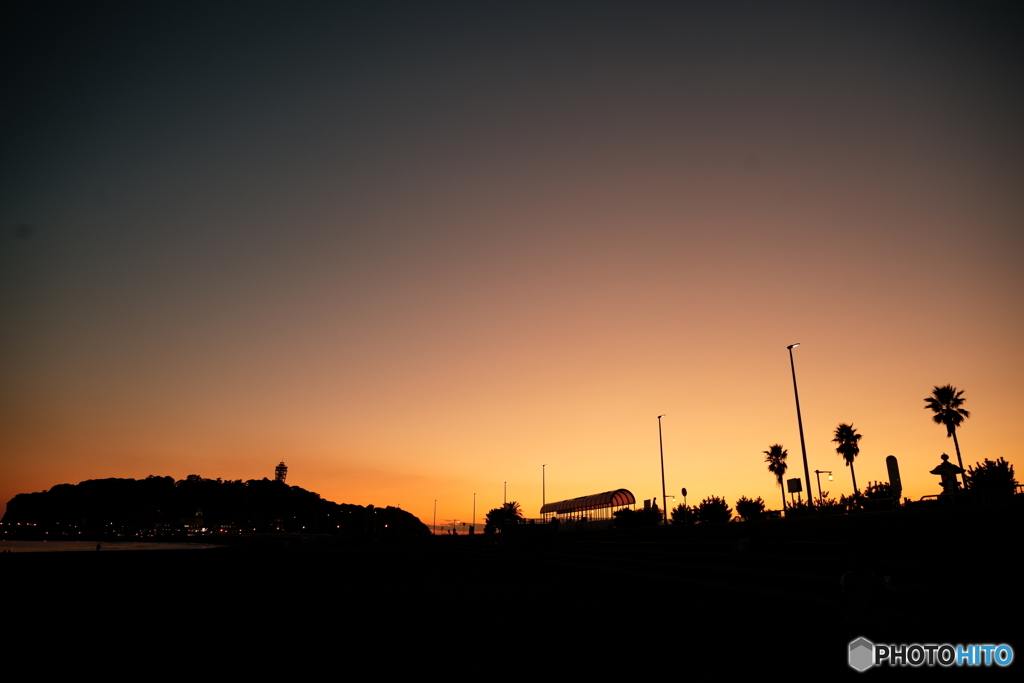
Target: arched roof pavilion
(594, 506)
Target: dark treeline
(194, 505)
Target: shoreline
(19, 546)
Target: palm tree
(777, 465)
(498, 518)
(946, 403)
(848, 438)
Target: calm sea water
(83, 546)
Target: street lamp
(661, 448)
(819, 473)
(543, 484)
(799, 420)
(435, 517)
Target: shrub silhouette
(633, 518)
(828, 506)
(992, 478)
(683, 514)
(878, 490)
(713, 509)
(876, 496)
(799, 509)
(750, 509)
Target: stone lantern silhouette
(948, 473)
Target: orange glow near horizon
(429, 270)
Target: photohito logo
(864, 654)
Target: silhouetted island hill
(162, 507)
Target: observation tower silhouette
(280, 472)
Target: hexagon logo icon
(862, 654)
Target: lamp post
(661, 449)
(474, 512)
(819, 473)
(543, 484)
(434, 530)
(799, 419)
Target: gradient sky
(417, 250)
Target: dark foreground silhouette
(728, 598)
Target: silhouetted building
(280, 472)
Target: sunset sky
(418, 250)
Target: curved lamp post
(800, 422)
(819, 473)
(661, 448)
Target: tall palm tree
(777, 465)
(848, 439)
(946, 402)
